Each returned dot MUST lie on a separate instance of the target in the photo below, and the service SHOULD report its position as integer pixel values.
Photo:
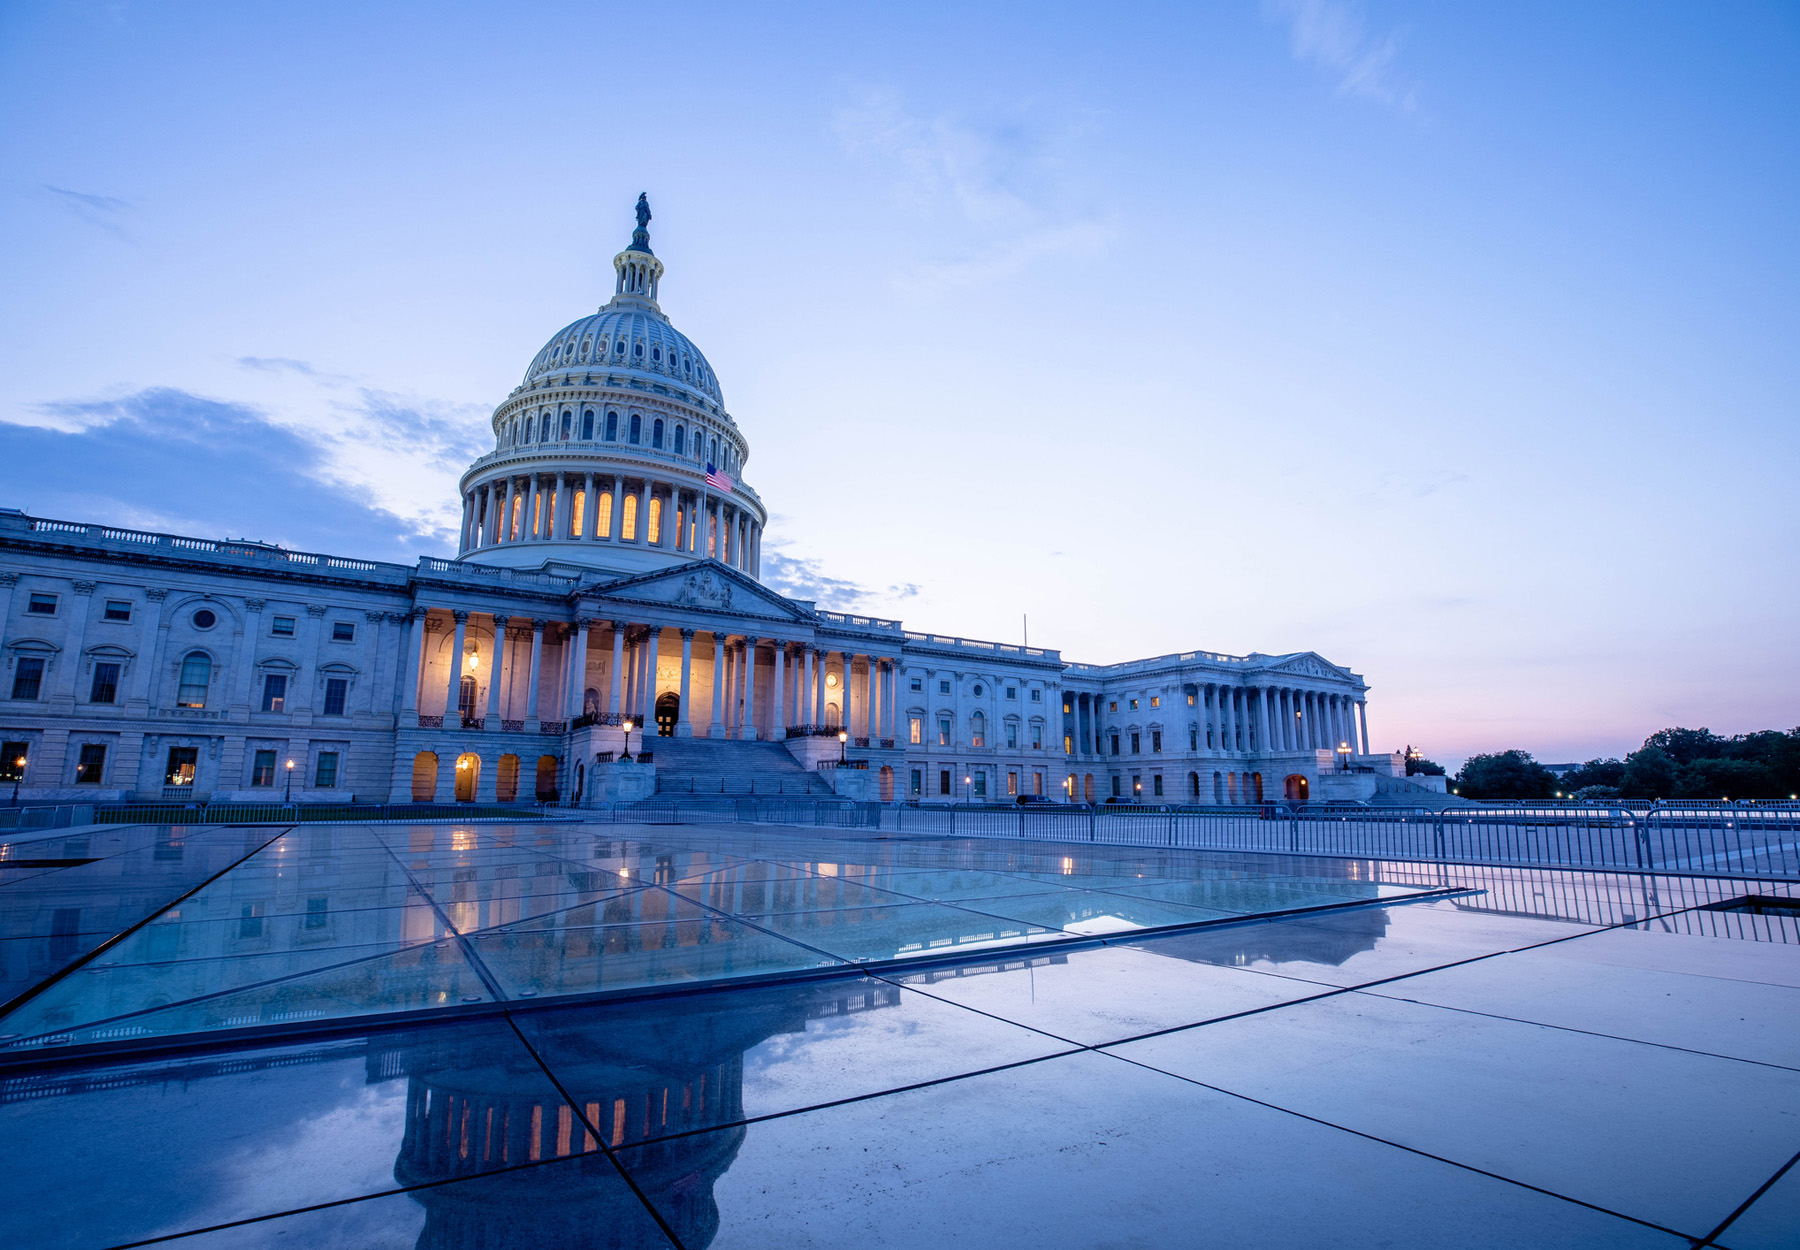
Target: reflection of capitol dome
(615, 452)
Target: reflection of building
(640, 1072)
(608, 568)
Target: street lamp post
(966, 780)
(18, 776)
(1343, 757)
(290, 783)
(843, 746)
(625, 755)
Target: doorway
(468, 769)
(668, 711)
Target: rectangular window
(12, 760)
(91, 764)
(325, 776)
(106, 684)
(918, 781)
(336, 688)
(1012, 783)
(1012, 692)
(1193, 739)
(1155, 700)
(1113, 706)
(918, 685)
(118, 609)
(943, 728)
(317, 910)
(916, 729)
(1037, 696)
(28, 677)
(1012, 734)
(182, 761)
(1115, 744)
(282, 626)
(943, 687)
(250, 920)
(42, 605)
(343, 631)
(1134, 705)
(979, 779)
(1137, 744)
(1190, 700)
(1156, 740)
(1037, 784)
(274, 692)
(1037, 740)
(262, 772)
(1156, 783)
(1068, 744)
(1115, 793)
(943, 781)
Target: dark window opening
(91, 764)
(106, 684)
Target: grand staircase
(702, 766)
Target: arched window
(628, 526)
(656, 431)
(637, 428)
(680, 440)
(656, 354)
(653, 531)
(567, 418)
(637, 351)
(619, 347)
(548, 430)
(612, 427)
(587, 424)
(196, 674)
(977, 730)
(603, 521)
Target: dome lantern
(639, 272)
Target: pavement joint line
(1747, 1203)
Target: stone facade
(607, 573)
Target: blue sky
(1456, 343)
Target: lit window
(336, 689)
(1113, 706)
(1068, 744)
(262, 772)
(1155, 700)
(28, 677)
(106, 684)
(916, 729)
(1190, 700)
(977, 730)
(274, 692)
(118, 610)
(91, 764)
(282, 627)
(12, 761)
(1012, 783)
(943, 728)
(42, 605)
(603, 522)
(343, 631)
(1037, 740)
(653, 532)
(628, 527)
(1134, 705)
(196, 674)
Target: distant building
(607, 570)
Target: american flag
(718, 480)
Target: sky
(1454, 343)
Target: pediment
(1305, 664)
(707, 587)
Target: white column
(491, 719)
(847, 704)
(777, 725)
(532, 679)
(75, 635)
(803, 706)
(819, 688)
(650, 675)
(614, 531)
(1362, 709)
(413, 649)
(717, 728)
(246, 672)
(451, 715)
(749, 680)
(577, 703)
(618, 667)
(685, 728)
(643, 520)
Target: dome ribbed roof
(627, 338)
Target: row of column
(1241, 720)
(594, 507)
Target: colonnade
(1242, 720)
(610, 507)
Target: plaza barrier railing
(311, 813)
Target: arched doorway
(831, 715)
(668, 711)
(1219, 788)
(468, 769)
(887, 783)
(506, 779)
(546, 778)
(1294, 788)
(1087, 787)
(424, 779)
(1253, 784)
(1193, 785)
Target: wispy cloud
(104, 212)
(278, 364)
(805, 578)
(1003, 187)
(1334, 35)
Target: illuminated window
(274, 692)
(578, 514)
(1012, 783)
(628, 527)
(196, 674)
(1190, 700)
(1155, 700)
(1113, 706)
(654, 529)
(1134, 705)
(943, 731)
(977, 730)
(1068, 743)
(603, 519)
(916, 729)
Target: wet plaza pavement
(568, 1035)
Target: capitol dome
(615, 454)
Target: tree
(1417, 764)
(1505, 775)
(1649, 773)
(1594, 773)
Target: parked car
(1031, 800)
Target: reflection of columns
(686, 728)
(495, 661)
(749, 680)
(618, 666)
(452, 707)
(650, 674)
(717, 728)
(531, 678)
(777, 727)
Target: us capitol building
(607, 572)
